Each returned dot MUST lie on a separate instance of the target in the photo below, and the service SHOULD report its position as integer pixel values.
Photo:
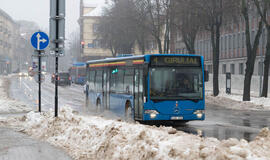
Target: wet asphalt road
(220, 123)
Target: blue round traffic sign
(40, 40)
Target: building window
(238, 40)
(210, 68)
(263, 38)
(225, 45)
(95, 28)
(241, 68)
(260, 68)
(96, 43)
(234, 41)
(90, 45)
(230, 39)
(243, 39)
(252, 37)
(224, 69)
(232, 68)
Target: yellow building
(90, 45)
(9, 32)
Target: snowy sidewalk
(18, 146)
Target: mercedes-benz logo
(176, 110)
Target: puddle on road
(245, 128)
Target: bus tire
(128, 111)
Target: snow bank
(8, 105)
(234, 100)
(98, 138)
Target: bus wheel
(128, 111)
(98, 105)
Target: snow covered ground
(234, 101)
(98, 138)
(92, 137)
(8, 105)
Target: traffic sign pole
(39, 41)
(39, 80)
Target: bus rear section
(149, 88)
(78, 73)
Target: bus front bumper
(197, 115)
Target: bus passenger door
(138, 94)
(106, 89)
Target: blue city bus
(78, 73)
(149, 88)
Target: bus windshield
(176, 83)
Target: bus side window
(119, 81)
(128, 81)
(92, 80)
(98, 81)
(113, 80)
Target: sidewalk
(18, 146)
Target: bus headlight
(153, 113)
(199, 113)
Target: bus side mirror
(206, 76)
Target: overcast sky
(38, 11)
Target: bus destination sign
(175, 61)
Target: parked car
(63, 79)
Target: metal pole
(39, 81)
(56, 59)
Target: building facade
(233, 54)
(90, 45)
(9, 32)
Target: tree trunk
(248, 75)
(251, 51)
(266, 65)
(143, 49)
(215, 36)
(159, 46)
(190, 44)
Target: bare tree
(263, 6)
(251, 46)
(141, 21)
(215, 12)
(116, 28)
(188, 21)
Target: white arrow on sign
(40, 40)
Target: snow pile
(235, 102)
(98, 138)
(8, 105)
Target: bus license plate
(176, 118)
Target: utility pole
(57, 36)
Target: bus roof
(79, 64)
(147, 57)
